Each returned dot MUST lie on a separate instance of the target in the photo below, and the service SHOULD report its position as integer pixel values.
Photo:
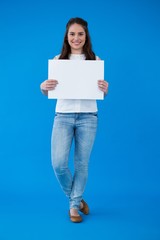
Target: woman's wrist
(45, 92)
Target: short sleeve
(56, 57)
(98, 58)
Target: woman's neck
(76, 52)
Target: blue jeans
(80, 127)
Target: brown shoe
(85, 208)
(75, 219)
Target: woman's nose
(76, 37)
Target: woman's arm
(49, 84)
(102, 84)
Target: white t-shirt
(75, 105)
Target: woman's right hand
(49, 84)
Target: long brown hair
(87, 48)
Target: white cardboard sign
(77, 79)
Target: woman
(74, 120)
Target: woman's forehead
(76, 28)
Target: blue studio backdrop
(124, 171)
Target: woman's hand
(47, 85)
(103, 86)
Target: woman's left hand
(103, 86)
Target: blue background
(123, 188)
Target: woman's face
(76, 38)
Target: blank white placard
(77, 79)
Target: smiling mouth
(76, 43)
